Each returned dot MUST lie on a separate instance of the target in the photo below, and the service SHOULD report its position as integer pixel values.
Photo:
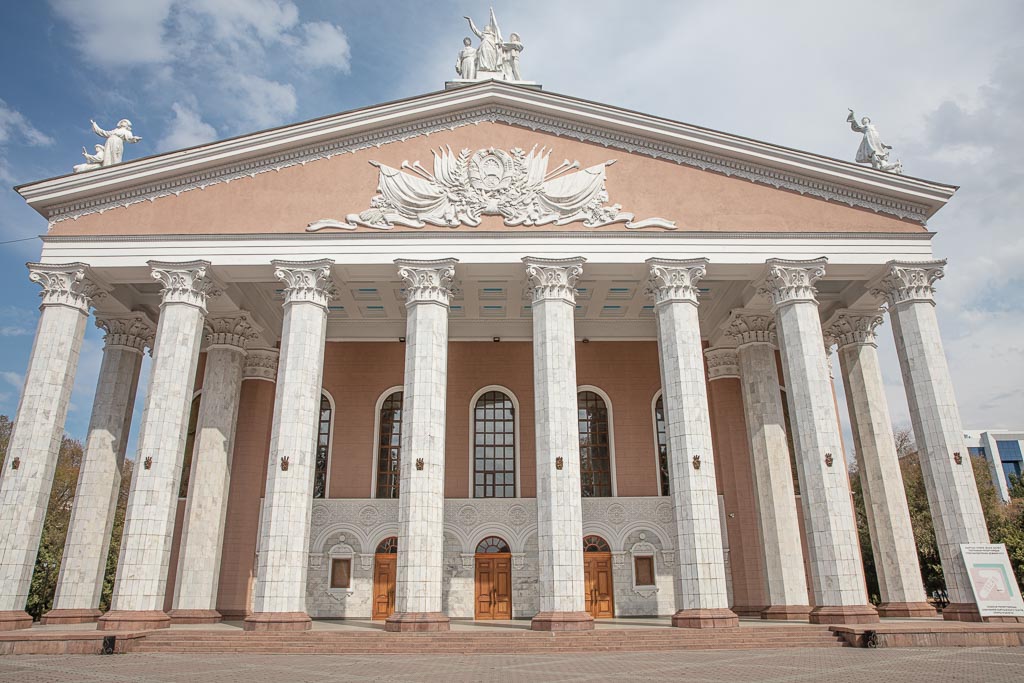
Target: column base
(748, 610)
(906, 609)
(15, 619)
(562, 621)
(195, 616)
(786, 612)
(844, 614)
(968, 611)
(133, 620)
(70, 616)
(417, 622)
(277, 621)
(705, 618)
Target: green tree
(115, 537)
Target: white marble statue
(872, 150)
(91, 160)
(493, 58)
(510, 61)
(466, 64)
(113, 148)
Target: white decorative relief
(516, 185)
(750, 327)
(847, 327)
(553, 278)
(262, 364)
(675, 279)
(910, 281)
(306, 281)
(789, 280)
(723, 363)
(231, 330)
(134, 331)
(428, 280)
(184, 283)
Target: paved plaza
(992, 665)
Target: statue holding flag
(493, 58)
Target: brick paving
(840, 665)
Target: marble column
(700, 579)
(837, 570)
(279, 600)
(885, 499)
(428, 291)
(141, 580)
(945, 462)
(84, 563)
(34, 445)
(202, 534)
(560, 589)
(753, 332)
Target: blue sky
(943, 81)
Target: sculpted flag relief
(516, 185)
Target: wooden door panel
(493, 584)
(599, 586)
(384, 573)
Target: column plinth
(279, 600)
(560, 585)
(701, 591)
(837, 569)
(38, 429)
(133, 620)
(417, 622)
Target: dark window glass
(389, 446)
(493, 544)
(643, 568)
(659, 427)
(323, 448)
(1009, 451)
(341, 573)
(190, 444)
(494, 446)
(595, 447)
(389, 546)
(595, 544)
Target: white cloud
(325, 45)
(15, 128)
(187, 129)
(14, 379)
(118, 33)
(262, 102)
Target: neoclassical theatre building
(487, 353)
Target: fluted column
(428, 290)
(141, 581)
(837, 570)
(753, 332)
(945, 461)
(279, 601)
(27, 477)
(202, 534)
(84, 563)
(560, 590)
(885, 499)
(701, 590)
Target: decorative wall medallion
(320, 515)
(664, 513)
(518, 560)
(516, 185)
(15, 463)
(314, 560)
(366, 561)
(828, 460)
(696, 462)
(518, 516)
(148, 462)
(369, 516)
(616, 514)
(559, 463)
(669, 557)
(619, 559)
(468, 560)
(419, 464)
(284, 463)
(957, 458)
(468, 516)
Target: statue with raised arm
(872, 150)
(92, 161)
(488, 54)
(113, 148)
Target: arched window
(494, 446)
(389, 546)
(595, 448)
(389, 445)
(661, 434)
(190, 445)
(323, 447)
(595, 544)
(493, 544)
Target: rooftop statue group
(493, 58)
(112, 150)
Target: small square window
(643, 569)
(341, 573)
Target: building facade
(500, 387)
(1002, 449)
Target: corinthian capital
(674, 279)
(184, 283)
(847, 327)
(551, 278)
(751, 327)
(261, 364)
(230, 330)
(430, 281)
(306, 281)
(65, 284)
(907, 281)
(134, 331)
(723, 363)
(788, 281)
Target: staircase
(515, 641)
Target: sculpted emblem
(616, 514)
(320, 515)
(518, 516)
(514, 184)
(369, 516)
(468, 516)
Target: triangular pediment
(666, 176)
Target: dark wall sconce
(419, 464)
(148, 462)
(828, 460)
(285, 461)
(559, 463)
(696, 462)
(15, 463)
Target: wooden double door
(385, 569)
(493, 586)
(598, 586)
